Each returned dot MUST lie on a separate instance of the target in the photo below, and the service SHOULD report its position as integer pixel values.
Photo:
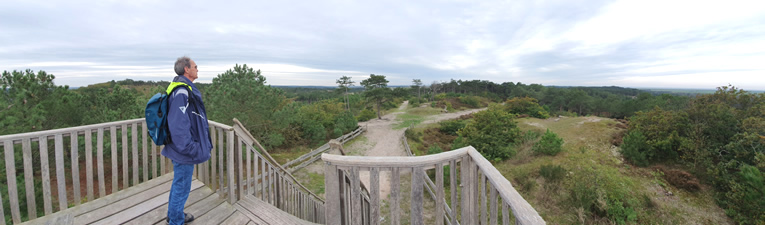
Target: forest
(718, 138)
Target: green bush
(451, 126)
(434, 149)
(550, 144)
(746, 199)
(528, 106)
(530, 136)
(635, 148)
(492, 132)
(413, 135)
(472, 101)
(366, 114)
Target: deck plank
(117, 206)
(236, 218)
(253, 219)
(217, 215)
(143, 207)
(267, 212)
(160, 213)
(103, 202)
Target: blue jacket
(187, 121)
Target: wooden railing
(314, 155)
(254, 172)
(118, 155)
(468, 194)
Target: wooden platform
(146, 203)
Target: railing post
(332, 187)
(230, 167)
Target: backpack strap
(173, 85)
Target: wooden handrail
(473, 187)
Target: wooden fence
(314, 155)
(468, 194)
(118, 155)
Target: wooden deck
(146, 203)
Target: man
(189, 142)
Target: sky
(694, 44)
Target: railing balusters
(10, 169)
(453, 190)
(332, 194)
(230, 172)
(222, 175)
(417, 196)
(440, 194)
(144, 151)
(263, 171)
(355, 196)
(248, 181)
(125, 176)
(60, 176)
(394, 195)
(213, 182)
(115, 159)
(483, 200)
(134, 133)
(256, 175)
(100, 162)
(29, 180)
(240, 168)
(154, 160)
(75, 145)
(2, 209)
(465, 183)
(47, 204)
(505, 214)
(374, 195)
(89, 163)
(493, 205)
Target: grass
(414, 116)
(588, 155)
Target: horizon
(683, 44)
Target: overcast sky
(628, 43)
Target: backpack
(156, 114)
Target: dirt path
(383, 140)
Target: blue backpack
(156, 114)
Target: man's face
(191, 72)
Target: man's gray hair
(181, 63)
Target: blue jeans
(179, 192)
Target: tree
(376, 90)
(344, 83)
(241, 93)
(417, 84)
(493, 132)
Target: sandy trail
(383, 140)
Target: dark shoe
(188, 218)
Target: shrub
(635, 148)
(413, 135)
(493, 133)
(526, 106)
(530, 136)
(451, 126)
(366, 114)
(434, 149)
(682, 179)
(472, 101)
(550, 144)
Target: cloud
(632, 43)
